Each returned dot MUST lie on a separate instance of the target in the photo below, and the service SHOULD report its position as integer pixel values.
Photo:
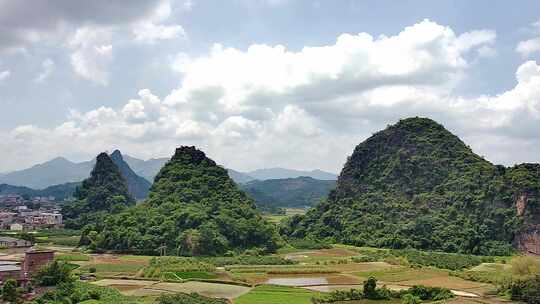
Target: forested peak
(103, 192)
(105, 178)
(194, 208)
(412, 156)
(191, 155)
(117, 155)
(104, 169)
(191, 177)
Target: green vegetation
(10, 292)
(288, 192)
(60, 192)
(416, 258)
(270, 294)
(193, 209)
(415, 294)
(79, 292)
(54, 274)
(104, 192)
(527, 290)
(72, 257)
(417, 185)
(178, 268)
(247, 260)
(189, 299)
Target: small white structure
(16, 227)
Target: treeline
(413, 295)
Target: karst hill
(415, 184)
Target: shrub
(189, 299)
(525, 265)
(410, 299)
(527, 290)
(309, 244)
(53, 274)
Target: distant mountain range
(60, 171)
(278, 173)
(288, 192)
(60, 192)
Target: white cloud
(4, 75)
(92, 53)
(149, 32)
(267, 106)
(528, 47)
(47, 68)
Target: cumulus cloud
(4, 75)
(92, 53)
(528, 47)
(88, 29)
(149, 32)
(47, 68)
(267, 105)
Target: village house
(23, 271)
(9, 242)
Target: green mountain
(289, 192)
(278, 173)
(193, 208)
(105, 191)
(60, 192)
(415, 184)
(138, 187)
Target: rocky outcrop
(521, 204)
(528, 240)
(525, 183)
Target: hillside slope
(138, 187)
(104, 192)
(194, 208)
(416, 184)
(60, 192)
(289, 192)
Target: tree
(370, 288)
(10, 292)
(53, 274)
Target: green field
(270, 294)
(337, 268)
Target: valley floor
(316, 272)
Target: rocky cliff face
(525, 181)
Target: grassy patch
(114, 269)
(72, 257)
(400, 274)
(270, 294)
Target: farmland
(295, 276)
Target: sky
(263, 83)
